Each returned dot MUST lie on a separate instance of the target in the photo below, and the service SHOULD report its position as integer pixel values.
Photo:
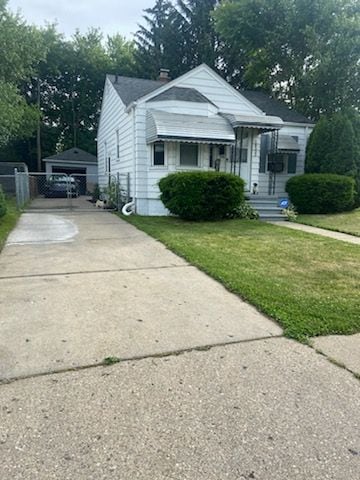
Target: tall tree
(71, 80)
(21, 50)
(159, 43)
(303, 51)
(177, 37)
(197, 29)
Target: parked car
(61, 186)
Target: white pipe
(125, 208)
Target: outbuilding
(76, 162)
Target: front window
(159, 153)
(189, 155)
(282, 162)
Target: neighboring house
(196, 122)
(75, 162)
(7, 175)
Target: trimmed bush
(201, 195)
(321, 192)
(3, 207)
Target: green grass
(8, 221)
(309, 284)
(348, 222)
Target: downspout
(133, 106)
(127, 209)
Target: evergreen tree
(198, 32)
(159, 43)
(334, 146)
(177, 37)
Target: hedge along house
(196, 122)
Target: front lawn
(348, 222)
(8, 221)
(309, 284)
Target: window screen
(188, 155)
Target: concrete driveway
(81, 286)
(206, 388)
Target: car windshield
(62, 180)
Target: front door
(243, 149)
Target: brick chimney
(164, 75)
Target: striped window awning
(177, 127)
(287, 143)
(264, 123)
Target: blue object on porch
(283, 202)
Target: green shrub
(3, 207)
(321, 192)
(244, 210)
(201, 195)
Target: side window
(105, 158)
(117, 144)
(291, 167)
(159, 154)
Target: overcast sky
(111, 16)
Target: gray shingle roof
(73, 155)
(182, 94)
(274, 107)
(130, 89)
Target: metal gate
(58, 191)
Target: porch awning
(288, 143)
(264, 123)
(177, 127)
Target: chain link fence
(66, 191)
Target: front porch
(268, 206)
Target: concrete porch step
(272, 217)
(267, 207)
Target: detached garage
(76, 162)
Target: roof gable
(73, 155)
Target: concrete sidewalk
(189, 403)
(269, 409)
(344, 237)
(78, 287)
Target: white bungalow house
(196, 122)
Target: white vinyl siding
(223, 96)
(114, 119)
